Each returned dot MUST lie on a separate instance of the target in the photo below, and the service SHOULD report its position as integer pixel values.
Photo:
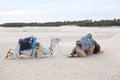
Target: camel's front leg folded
(80, 52)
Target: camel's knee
(81, 54)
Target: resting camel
(86, 46)
(38, 51)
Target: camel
(38, 51)
(85, 46)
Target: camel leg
(34, 55)
(80, 52)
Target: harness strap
(33, 44)
(91, 39)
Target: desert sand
(104, 66)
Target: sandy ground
(104, 66)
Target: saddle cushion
(86, 42)
(25, 43)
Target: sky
(57, 10)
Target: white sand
(105, 66)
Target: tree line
(89, 23)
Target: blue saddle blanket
(26, 43)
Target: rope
(33, 44)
